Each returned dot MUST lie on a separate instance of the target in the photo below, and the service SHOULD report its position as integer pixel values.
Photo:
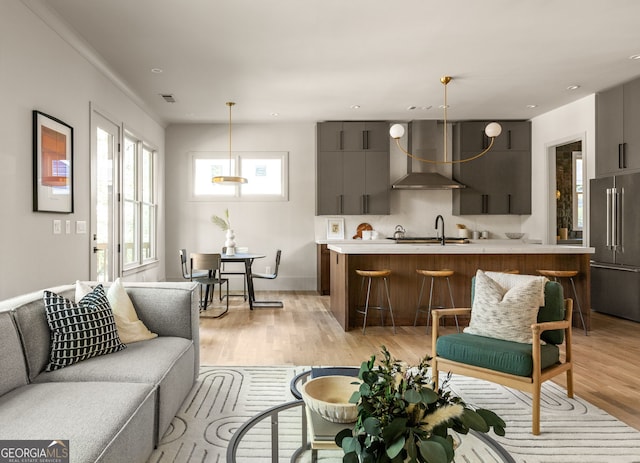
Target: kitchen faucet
(441, 219)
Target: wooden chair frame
(532, 384)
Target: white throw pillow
(504, 313)
(130, 327)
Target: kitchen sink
(429, 240)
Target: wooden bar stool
(570, 274)
(434, 274)
(379, 276)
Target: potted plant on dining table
(401, 418)
(225, 225)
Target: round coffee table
(295, 434)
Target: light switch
(67, 226)
(57, 227)
(81, 226)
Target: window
(266, 174)
(578, 191)
(139, 207)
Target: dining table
(248, 259)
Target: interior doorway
(569, 193)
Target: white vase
(230, 243)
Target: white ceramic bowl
(514, 236)
(329, 396)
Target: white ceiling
(311, 60)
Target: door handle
(608, 218)
(485, 204)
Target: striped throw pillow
(80, 330)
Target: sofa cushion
(29, 316)
(12, 363)
(495, 354)
(505, 313)
(84, 413)
(165, 361)
(80, 330)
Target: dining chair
(224, 272)
(209, 263)
(185, 267)
(269, 276)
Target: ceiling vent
(168, 97)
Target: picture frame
(335, 228)
(52, 164)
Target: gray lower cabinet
(500, 181)
(353, 180)
(617, 134)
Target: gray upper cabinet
(500, 181)
(352, 168)
(617, 134)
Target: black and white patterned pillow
(80, 330)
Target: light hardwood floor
(607, 361)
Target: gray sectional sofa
(111, 408)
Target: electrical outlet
(57, 227)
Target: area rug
(572, 430)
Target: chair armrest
(546, 326)
(435, 323)
(450, 311)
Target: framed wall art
(52, 164)
(335, 228)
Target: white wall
(261, 226)
(560, 126)
(39, 70)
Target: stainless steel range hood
(425, 141)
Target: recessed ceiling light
(531, 106)
(355, 106)
(156, 70)
(411, 108)
(635, 56)
(443, 106)
(275, 114)
(425, 108)
(573, 87)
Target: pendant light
(492, 130)
(229, 179)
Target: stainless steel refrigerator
(615, 235)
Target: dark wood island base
(405, 282)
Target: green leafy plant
(402, 418)
(223, 223)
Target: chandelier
(229, 179)
(492, 130)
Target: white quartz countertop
(474, 247)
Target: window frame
(237, 159)
(140, 202)
(575, 193)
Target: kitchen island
(464, 259)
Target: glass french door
(105, 141)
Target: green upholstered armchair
(513, 364)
